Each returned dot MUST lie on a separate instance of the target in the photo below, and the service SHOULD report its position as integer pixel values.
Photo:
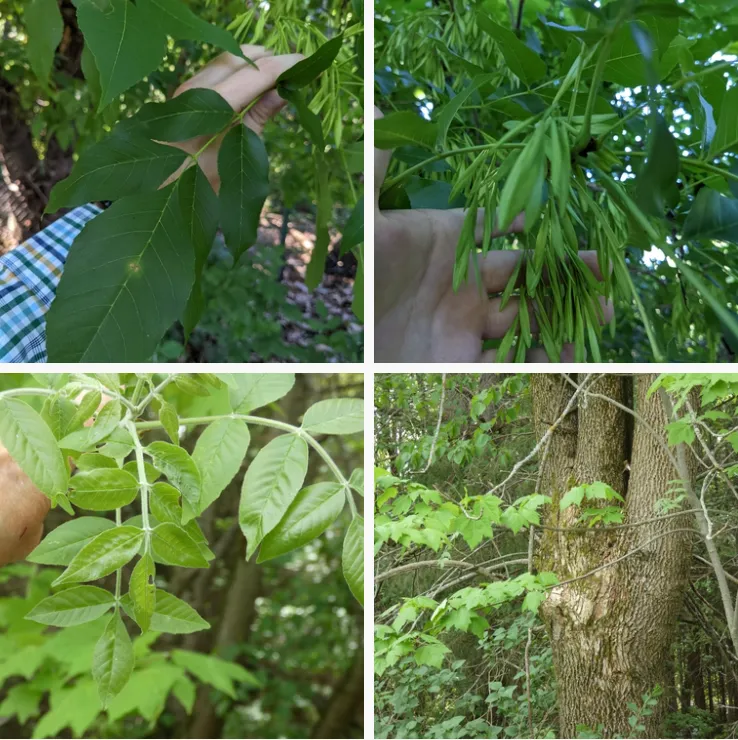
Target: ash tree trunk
(611, 632)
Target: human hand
(418, 315)
(240, 84)
(23, 509)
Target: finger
(247, 84)
(266, 108)
(222, 67)
(516, 227)
(491, 356)
(499, 320)
(381, 163)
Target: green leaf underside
(142, 590)
(64, 542)
(713, 216)
(214, 671)
(32, 445)
(218, 453)
(199, 206)
(164, 503)
(126, 43)
(45, 28)
(335, 416)
(171, 615)
(243, 167)
(254, 390)
(103, 489)
(179, 468)
(196, 112)
(314, 509)
(402, 128)
(352, 558)
(181, 23)
(726, 135)
(270, 485)
(72, 606)
(522, 60)
(126, 280)
(113, 660)
(125, 163)
(104, 425)
(110, 550)
(173, 546)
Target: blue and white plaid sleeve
(29, 275)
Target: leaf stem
(594, 90)
(260, 421)
(143, 482)
(119, 572)
(27, 392)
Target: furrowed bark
(612, 632)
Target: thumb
(381, 163)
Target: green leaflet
(357, 481)
(142, 590)
(726, 135)
(126, 42)
(253, 390)
(87, 408)
(113, 661)
(164, 503)
(173, 546)
(335, 416)
(214, 671)
(352, 558)
(152, 474)
(110, 550)
(181, 470)
(218, 453)
(521, 59)
(304, 72)
(269, 487)
(32, 445)
(169, 420)
(72, 606)
(199, 206)
(324, 205)
(125, 163)
(243, 167)
(314, 509)
(449, 111)
(713, 216)
(196, 112)
(103, 489)
(171, 615)
(58, 413)
(177, 20)
(657, 181)
(63, 543)
(127, 279)
(402, 128)
(353, 231)
(45, 26)
(105, 424)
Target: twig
(438, 428)
(446, 564)
(519, 24)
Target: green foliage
(134, 54)
(167, 531)
(612, 127)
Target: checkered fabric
(28, 279)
